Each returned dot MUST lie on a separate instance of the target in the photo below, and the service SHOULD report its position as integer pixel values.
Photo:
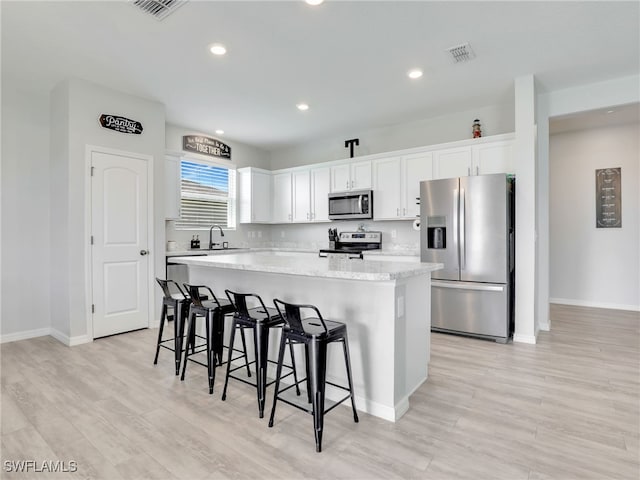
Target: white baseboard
(43, 332)
(14, 337)
(585, 303)
(519, 338)
(69, 341)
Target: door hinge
(91, 239)
(93, 169)
(93, 308)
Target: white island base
(388, 321)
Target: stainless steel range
(352, 244)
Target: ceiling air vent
(158, 9)
(461, 53)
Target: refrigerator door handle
(468, 286)
(455, 223)
(462, 235)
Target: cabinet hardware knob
(144, 252)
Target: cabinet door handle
(347, 184)
(404, 212)
(477, 170)
(352, 182)
(308, 216)
(397, 212)
(144, 252)
(469, 171)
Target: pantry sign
(206, 146)
(120, 124)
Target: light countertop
(309, 264)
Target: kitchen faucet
(211, 244)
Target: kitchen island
(385, 305)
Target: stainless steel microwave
(351, 205)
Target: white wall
(242, 155)
(80, 104)
(588, 265)
(447, 128)
(25, 213)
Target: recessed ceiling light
(314, 2)
(220, 132)
(217, 49)
(609, 111)
(302, 106)
(415, 73)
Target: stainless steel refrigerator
(468, 224)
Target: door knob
(144, 252)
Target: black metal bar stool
(178, 301)
(260, 320)
(213, 311)
(316, 334)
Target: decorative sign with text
(609, 198)
(206, 146)
(120, 124)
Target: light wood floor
(566, 408)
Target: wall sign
(206, 146)
(609, 198)
(120, 124)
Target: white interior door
(120, 260)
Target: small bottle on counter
(197, 241)
(193, 242)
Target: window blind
(207, 196)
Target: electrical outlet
(393, 233)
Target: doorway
(121, 266)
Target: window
(207, 196)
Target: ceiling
(605, 117)
(347, 60)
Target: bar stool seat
(178, 301)
(315, 333)
(213, 311)
(260, 320)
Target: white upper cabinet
(396, 185)
(172, 188)
(351, 176)
(254, 195)
(282, 200)
(452, 162)
(387, 195)
(320, 187)
(494, 157)
(479, 159)
(416, 168)
(301, 190)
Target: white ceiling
(348, 60)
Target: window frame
(231, 198)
